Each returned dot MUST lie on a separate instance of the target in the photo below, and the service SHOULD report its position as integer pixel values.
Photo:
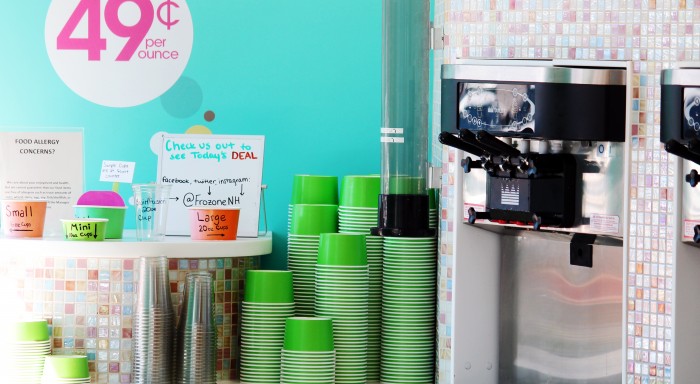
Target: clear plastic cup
(151, 204)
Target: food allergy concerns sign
(46, 166)
(210, 171)
(119, 53)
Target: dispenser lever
(678, 149)
(468, 137)
(490, 140)
(452, 141)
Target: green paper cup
(314, 189)
(406, 185)
(115, 215)
(84, 229)
(342, 249)
(32, 331)
(66, 367)
(268, 287)
(314, 219)
(360, 191)
(308, 334)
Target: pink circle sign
(119, 53)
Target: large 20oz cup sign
(119, 53)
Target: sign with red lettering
(212, 171)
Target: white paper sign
(212, 170)
(117, 171)
(45, 166)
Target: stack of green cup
(308, 355)
(342, 291)
(409, 310)
(28, 347)
(268, 301)
(313, 189)
(357, 213)
(308, 222)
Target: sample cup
(342, 249)
(308, 334)
(268, 287)
(151, 203)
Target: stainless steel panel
(685, 76)
(600, 193)
(536, 73)
(559, 323)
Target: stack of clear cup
(268, 301)
(309, 221)
(153, 324)
(195, 357)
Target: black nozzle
(455, 142)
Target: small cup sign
(23, 218)
(19, 216)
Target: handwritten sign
(212, 171)
(117, 171)
(43, 166)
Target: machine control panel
(497, 108)
(691, 113)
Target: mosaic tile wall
(90, 304)
(653, 34)
(446, 264)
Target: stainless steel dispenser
(680, 133)
(548, 138)
(539, 220)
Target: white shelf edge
(174, 247)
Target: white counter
(172, 247)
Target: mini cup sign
(23, 218)
(214, 223)
(85, 229)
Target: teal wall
(306, 74)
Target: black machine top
(537, 102)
